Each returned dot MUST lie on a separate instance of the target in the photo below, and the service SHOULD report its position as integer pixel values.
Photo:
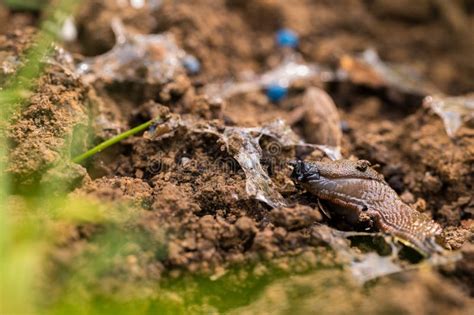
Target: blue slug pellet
(287, 38)
(152, 129)
(276, 93)
(191, 64)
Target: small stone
(420, 205)
(407, 197)
(432, 183)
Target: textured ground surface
(187, 194)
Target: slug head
(303, 172)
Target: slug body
(360, 189)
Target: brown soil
(54, 125)
(189, 194)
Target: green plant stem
(114, 140)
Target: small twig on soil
(114, 140)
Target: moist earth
(187, 194)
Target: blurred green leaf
(26, 4)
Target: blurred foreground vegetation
(34, 226)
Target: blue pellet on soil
(287, 38)
(276, 92)
(191, 64)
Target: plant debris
(454, 111)
(369, 69)
(153, 59)
(290, 70)
(320, 118)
